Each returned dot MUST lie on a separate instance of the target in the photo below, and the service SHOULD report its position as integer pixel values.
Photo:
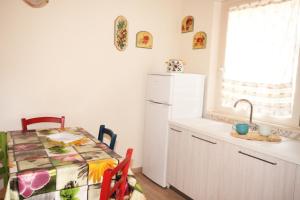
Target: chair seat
(4, 170)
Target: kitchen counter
(287, 150)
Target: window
(261, 57)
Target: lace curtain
(261, 57)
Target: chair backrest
(109, 132)
(4, 171)
(26, 122)
(120, 185)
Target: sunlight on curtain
(261, 56)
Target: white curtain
(261, 57)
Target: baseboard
(180, 193)
(137, 170)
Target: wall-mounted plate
(36, 3)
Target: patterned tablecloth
(43, 169)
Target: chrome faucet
(251, 107)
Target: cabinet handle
(272, 163)
(173, 129)
(203, 139)
(156, 102)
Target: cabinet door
(297, 186)
(177, 157)
(249, 175)
(205, 167)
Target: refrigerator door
(155, 142)
(159, 88)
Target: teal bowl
(241, 128)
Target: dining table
(41, 167)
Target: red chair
(26, 122)
(120, 185)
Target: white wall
(197, 60)
(60, 60)
(204, 61)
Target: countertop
(287, 149)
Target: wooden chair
(4, 171)
(26, 122)
(119, 187)
(109, 132)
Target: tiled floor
(155, 192)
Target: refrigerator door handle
(159, 103)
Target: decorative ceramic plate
(144, 39)
(199, 41)
(36, 3)
(187, 24)
(121, 33)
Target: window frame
(216, 74)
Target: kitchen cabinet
(194, 164)
(297, 185)
(205, 162)
(249, 175)
(205, 167)
(177, 157)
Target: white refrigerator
(169, 96)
